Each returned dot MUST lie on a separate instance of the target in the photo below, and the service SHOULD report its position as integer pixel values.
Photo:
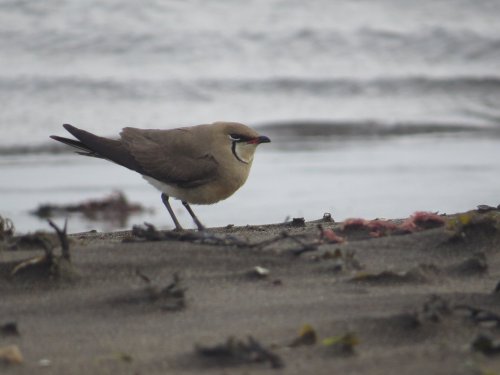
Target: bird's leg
(164, 198)
(197, 222)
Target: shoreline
(349, 179)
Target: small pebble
(44, 362)
(259, 272)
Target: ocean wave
(349, 128)
(202, 89)
(297, 130)
(23, 149)
(87, 87)
(430, 45)
(343, 86)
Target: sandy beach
(405, 296)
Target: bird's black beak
(262, 139)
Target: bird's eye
(235, 137)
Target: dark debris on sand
(48, 266)
(235, 352)
(9, 329)
(6, 228)
(114, 208)
(170, 297)
(148, 232)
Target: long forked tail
(89, 144)
(84, 150)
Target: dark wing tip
(57, 138)
(84, 150)
(68, 127)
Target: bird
(201, 164)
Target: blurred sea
(376, 109)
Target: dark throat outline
(233, 149)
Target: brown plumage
(200, 164)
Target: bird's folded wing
(170, 156)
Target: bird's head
(241, 139)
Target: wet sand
(409, 301)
